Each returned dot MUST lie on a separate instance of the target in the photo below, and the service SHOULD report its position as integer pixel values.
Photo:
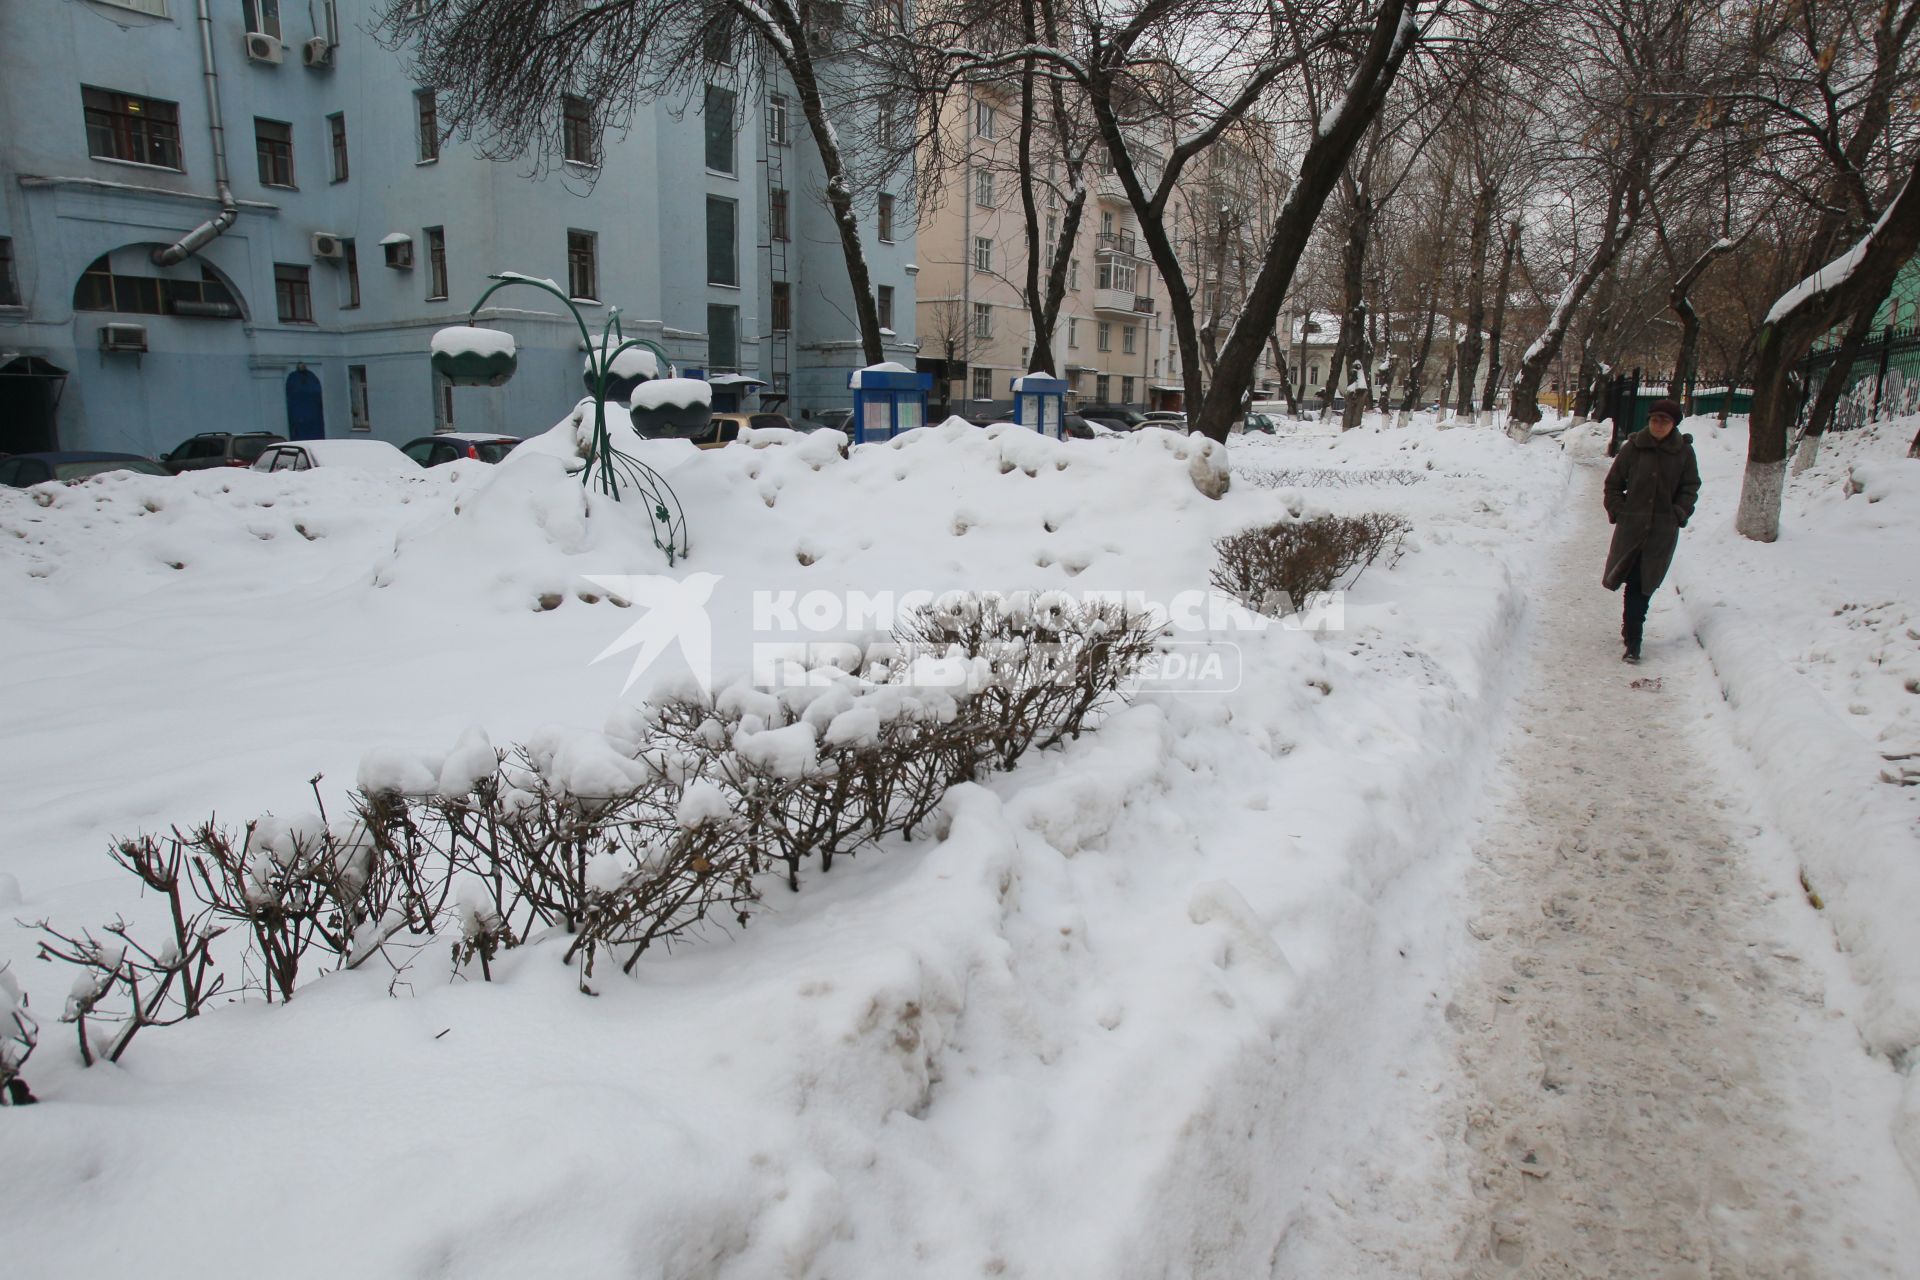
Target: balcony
(1123, 302)
(1123, 243)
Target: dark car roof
(81, 456)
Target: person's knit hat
(1668, 409)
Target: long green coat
(1650, 495)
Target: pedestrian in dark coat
(1650, 494)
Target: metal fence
(1882, 381)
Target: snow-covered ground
(1098, 1025)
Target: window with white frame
(1105, 336)
(777, 120)
(1073, 332)
(1127, 338)
(263, 17)
(983, 119)
(983, 320)
(982, 253)
(983, 188)
(1073, 274)
(983, 384)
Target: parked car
(23, 469)
(219, 449)
(832, 419)
(726, 427)
(449, 446)
(1075, 427)
(357, 455)
(1168, 418)
(1114, 416)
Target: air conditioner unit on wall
(123, 337)
(317, 52)
(263, 48)
(328, 245)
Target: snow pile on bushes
(1082, 1024)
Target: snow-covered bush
(1282, 567)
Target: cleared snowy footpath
(1654, 1082)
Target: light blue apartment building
(139, 303)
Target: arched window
(203, 294)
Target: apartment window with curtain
(436, 263)
(292, 293)
(337, 144)
(263, 17)
(782, 306)
(983, 188)
(583, 265)
(777, 214)
(723, 339)
(426, 116)
(350, 274)
(883, 218)
(717, 114)
(1127, 335)
(358, 409)
(983, 320)
(723, 235)
(982, 254)
(1104, 336)
(578, 143)
(273, 144)
(883, 303)
(121, 126)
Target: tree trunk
(1813, 307)
(1489, 395)
(1333, 142)
(840, 205)
(1417, 366)
(1045, 295)
(1539, 356)
(1476, 297)
(1286, 374)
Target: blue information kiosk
(1040, 402)
(887, 399)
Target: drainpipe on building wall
(194, 240)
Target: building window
(578, 144)
(1106, 224)
(121, 126)
(886, 125)
(782, 306)
(777, 120)
(1126, 391)
(427, 121)
(883, 302)
(983, 188)
(1073, 332)
(983, 121)
(263, 17)
(1104, 336)
(718, 37)
(358, 409)
(982, 253)
(155, 8)
(723, 339)
(399, 251)
(983, 320)
(1100, 384)
(102, 289)
(1127, 337)
(1073, 274)
(1115, 275)
(983, 384)
(777, 214)
(718, 114)
(723, 256)
(1053, 233)
(436, 262)
(292, 294)
(9, 282)
(1313, 373)
(583, 265)
(273, 143)
(337, 141)
(442, 403)
(350, 267)
(883, 216)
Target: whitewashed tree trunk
(1760, 493)
(1807, 454)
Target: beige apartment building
(975, 334)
